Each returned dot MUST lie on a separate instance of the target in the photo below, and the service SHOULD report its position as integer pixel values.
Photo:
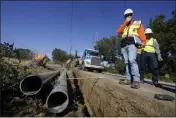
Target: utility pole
(1, 35)
(95, 38)
(125, 4)
(71, 27)
(175, 5)
(70, 50)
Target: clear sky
(43, 26)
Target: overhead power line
(124, 4)
(71, 23)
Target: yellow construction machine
(40, 60)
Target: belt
(128, 38)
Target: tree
(165, 33)
(8, 50)
(59, 55)
(23, 53)
(109, 48)
(76, 53)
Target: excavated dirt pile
(107, 98)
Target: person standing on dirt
(68, 63)
(150, 55)
(132, 32)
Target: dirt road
(107, 97)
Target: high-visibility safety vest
(149, 47)
(133, 31)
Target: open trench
(87, 97)
(15, 104)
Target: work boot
(124, 82)
(135, 85)
(156, 84)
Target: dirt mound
(107, 98)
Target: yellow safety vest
(149, 47)
(133, 29)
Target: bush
(148, 75)
(108, 69)
(11, 74)
(168, 66)
(120, 67)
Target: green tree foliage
(120, 67)
(24, 53)
(59, 55)
(109, 48)
(165, 33)
(7, 50)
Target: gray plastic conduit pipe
(32, 85)
(58, 100)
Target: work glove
(128, 19)
(139, 50)
(141, 46)
(159, 58)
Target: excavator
(40, 60)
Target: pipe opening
(56, 99)
(31, 84)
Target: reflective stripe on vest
(150, 46)
(133, 29)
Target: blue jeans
(132, 70)
(151, 60)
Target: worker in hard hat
(68, 63)
(150, 54)
(133, 35)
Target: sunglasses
(128, 15)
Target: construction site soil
(106, 97)
(15, 104)
(90, 94)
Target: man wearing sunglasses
(131, 31)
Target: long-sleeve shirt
(156, 46)
(140, 31)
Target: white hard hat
(148, 31)
(128, 11)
